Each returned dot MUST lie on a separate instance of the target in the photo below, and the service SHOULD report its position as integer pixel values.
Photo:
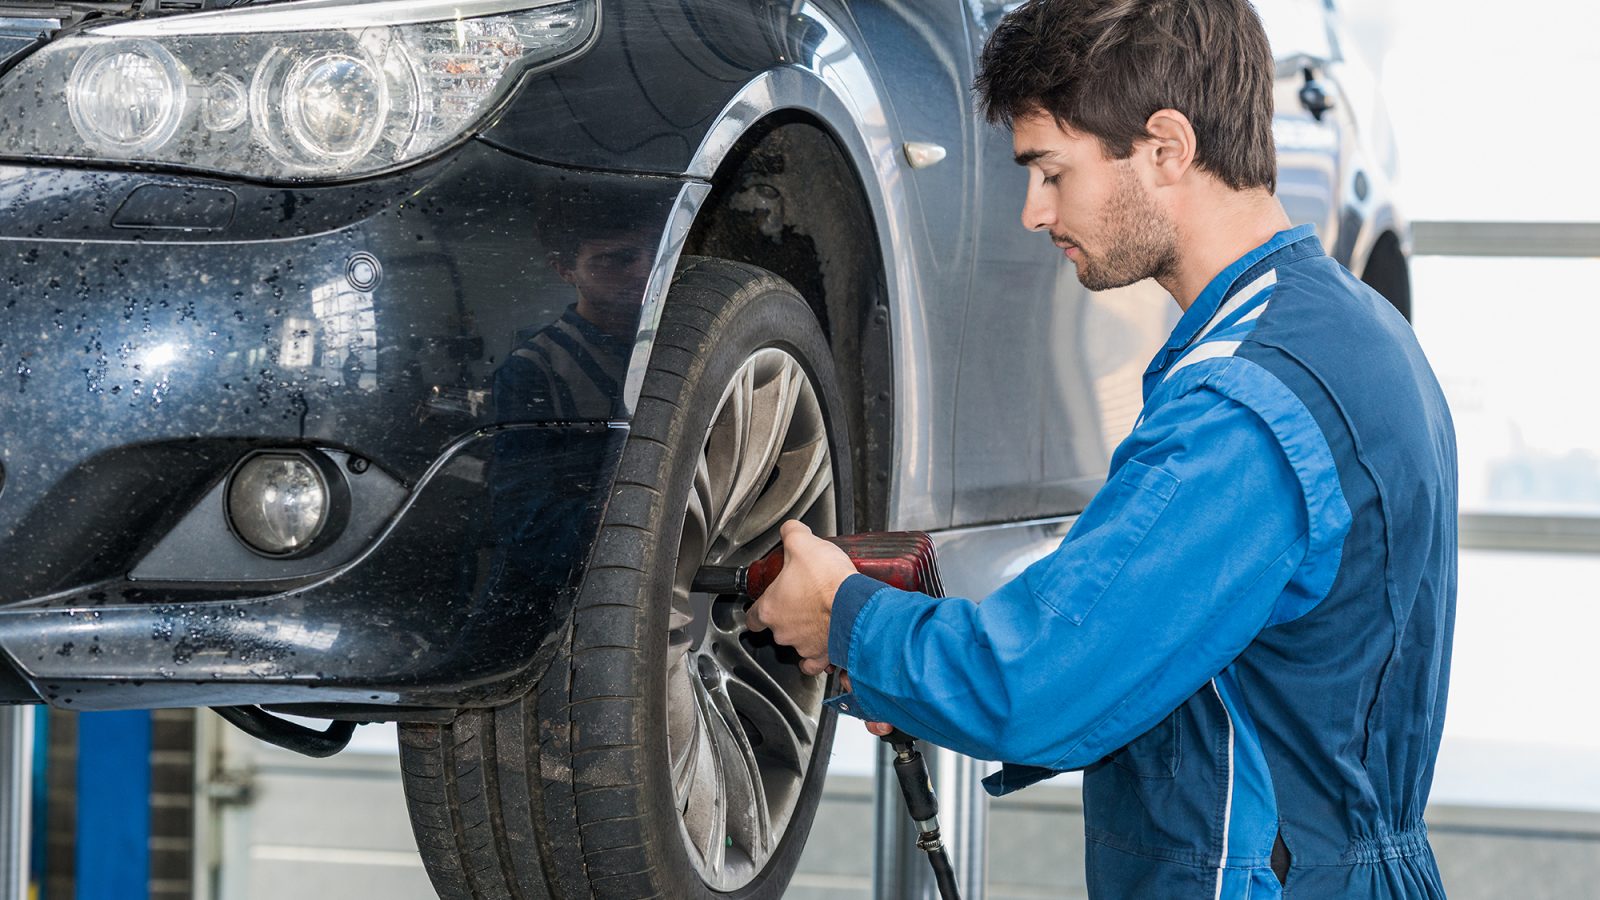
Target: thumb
(794, 529)
(752, 617)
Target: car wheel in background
(1388, 273)
(667, 751)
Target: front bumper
(149, 350)
(454, 605)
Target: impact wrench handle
(902, 559)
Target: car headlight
(126, 98)
(301, 91)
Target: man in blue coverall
(1244, 640)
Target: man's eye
(1051, 179)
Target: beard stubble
(1142, 243)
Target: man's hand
(798, 605)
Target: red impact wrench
(901, 559)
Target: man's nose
(1038, 214)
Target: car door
(1050, 373)
(1308, 117)
(922, 51)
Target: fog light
(286, 503)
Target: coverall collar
(1289, 244)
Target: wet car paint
(145, 363)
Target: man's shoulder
(1328, 321)
(1227, 375)
(1318, 292)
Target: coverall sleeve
(1165, 578)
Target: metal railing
(1560, 240)
(1569, 240)
(16, 782)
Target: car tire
(666, 752)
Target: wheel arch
(828, 126)
(1387, 270)
(787, 132)
(787, 198)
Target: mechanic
(1244, 640)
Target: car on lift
(403, 360)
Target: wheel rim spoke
(757, 677)
(746, 801)
(742, 719)
(779, 741)
(692, 547)
(725, 448)
(769, 402)
(803, 475)
(683, 717)
(704, 811)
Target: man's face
(1097, 210)
(609, 273)
(612, 269)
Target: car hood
(12, 47)
(32, 20)
(26, 24)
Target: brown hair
(1102, 67)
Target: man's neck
(1218, 231)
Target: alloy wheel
(742, 720)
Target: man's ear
(562, 270)
(1170, 147)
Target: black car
(403, 360)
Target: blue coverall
(1244, 640)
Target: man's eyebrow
(1029, 156)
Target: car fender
(844, 100)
